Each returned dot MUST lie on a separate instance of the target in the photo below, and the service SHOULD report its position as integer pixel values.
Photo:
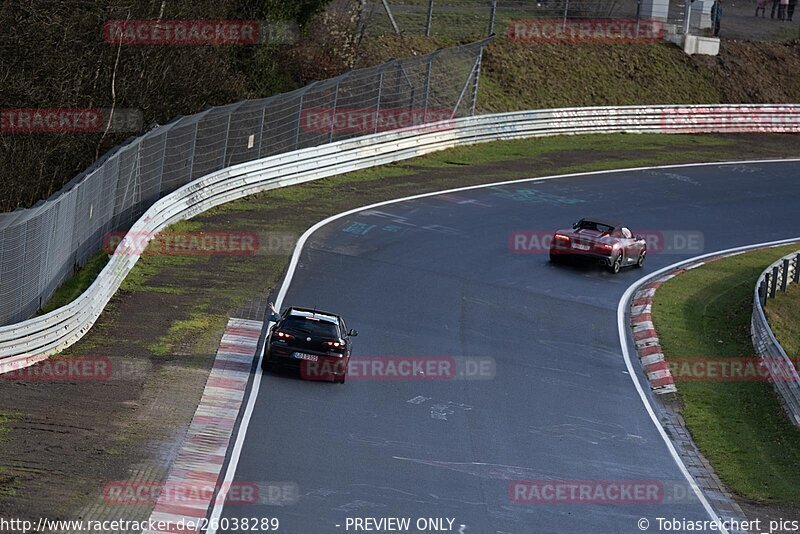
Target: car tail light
(284, 336)
(605, 247)
(335, 345)
(561, 237)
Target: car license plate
(580, 246)
(303, 356)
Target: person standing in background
(761, 5)
(790, 9)
(716, 16)
(774, 8)
(782, 9)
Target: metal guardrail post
(429, 19)
(194, 144)
(476, 67)
(380, 95)
(762, 292)
(391, 17)
(475, 85)
(785, 275)
(688, 18)
(299, 121)
(333, 113)
(492, 17)
(797, 269)
(774, 287)
(227, 138)
(261, 129)
(303, 92)
(767, 277)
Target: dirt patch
(66, 440)
(752, 72)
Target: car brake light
(562, 237)
(605, 246)
(284, 335)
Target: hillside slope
(514, 76)
(518, 76)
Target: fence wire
(460, 19)
(42, 246)
(465, 19)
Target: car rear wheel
(555, 258)
(616, 265)
(341, 379)
(640, 261)
(266, 363)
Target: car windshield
(591, 225)
(312, 327)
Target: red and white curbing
(646, 339)
(644, 334)
(202, 454)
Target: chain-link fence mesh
(42, 246)
(462, 19)
(459, 19)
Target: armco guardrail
(780, 367)
(42, 246)
(29, 341)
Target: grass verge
(5, 419)
(739, 426)
(76, 284)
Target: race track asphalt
(436, 278)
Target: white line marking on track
(248, 413)
(623, 339)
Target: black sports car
(315, 342)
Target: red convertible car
(608, 243)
